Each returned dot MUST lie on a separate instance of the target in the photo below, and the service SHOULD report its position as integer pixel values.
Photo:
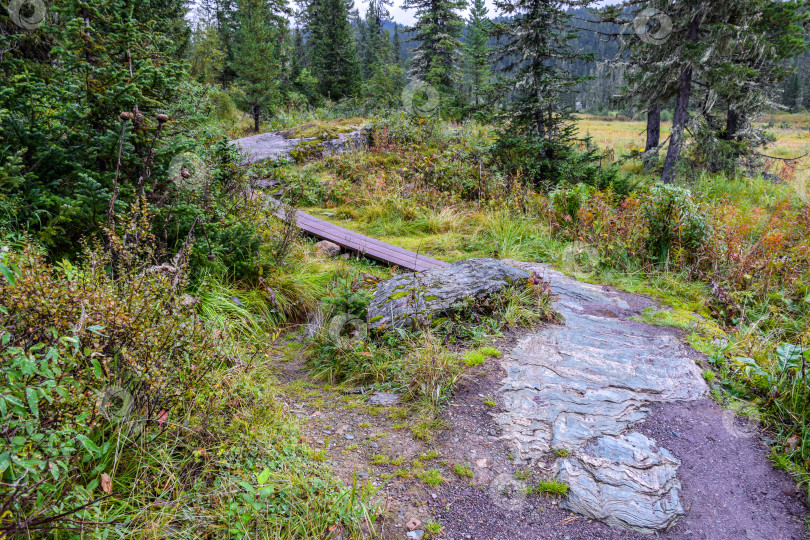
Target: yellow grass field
(792, 132)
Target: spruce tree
(537, 55)
(477, 52)
(437, 32)
(376, 45)
(64, 86)
(397, 47)
(207, 57)
(258, 54)
(650, 74)
(333, 55)
(538, 134)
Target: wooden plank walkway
(352, 241)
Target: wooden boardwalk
(352, 241)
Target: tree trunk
(653, 136)
(681, 114)
(732, 125)
(255, 109)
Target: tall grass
(508, 236)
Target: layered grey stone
(276, 146)
(581, 387)
(625, 481)
(407, 298)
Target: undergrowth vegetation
(139, 390)
(138, 395)
(734, 250)
(425, 362)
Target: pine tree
(437, 31)
(477, 52)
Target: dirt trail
(669, 452)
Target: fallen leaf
(792, 442)
(106, 483)
(162, 416)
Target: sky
(404, 16)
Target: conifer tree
(538, 135)
(376, 46)
(397, 47)
(437, 31)
(64, 86)
(728, 55)
(538, 54)
(258, 54)
(477, 52)
(333, 54)
(207, 56)
(747, 70)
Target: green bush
(567, 201)
(88, 358)
(545, 164)
(673, 219)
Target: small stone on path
(384, 399)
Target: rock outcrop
(576, 390)
(276, 145)
(400, 301)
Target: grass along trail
(603, 416)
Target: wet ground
(727, 486)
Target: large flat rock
(581, 387)
(407, 298)
(275, 145)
